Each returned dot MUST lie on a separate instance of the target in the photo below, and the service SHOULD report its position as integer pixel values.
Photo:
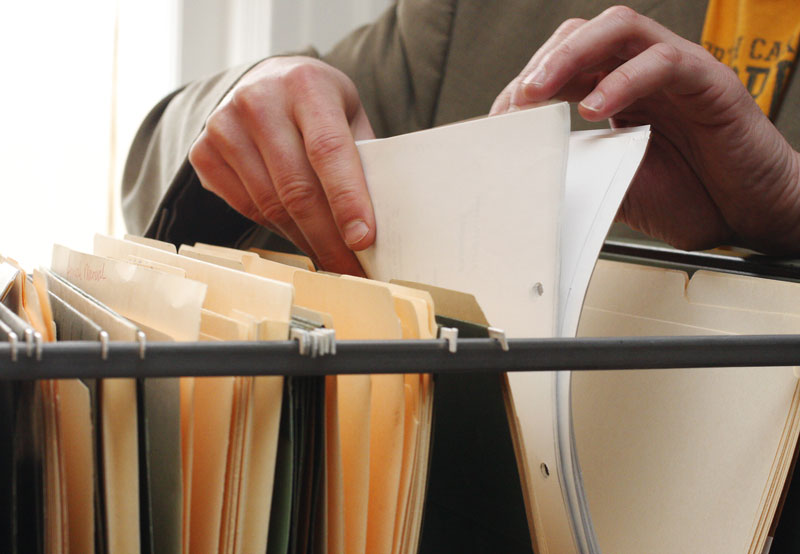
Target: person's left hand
(717, 171)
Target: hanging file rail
(84, 359)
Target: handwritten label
(86, 272)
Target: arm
(317, 196)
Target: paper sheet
(601, 166)
(477, 207)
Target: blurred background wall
(79, 76)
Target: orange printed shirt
(758, 39)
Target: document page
(514, 211)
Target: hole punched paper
(513, 209)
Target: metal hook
(331, 333)
(141, 338)
(450, 334)
(302, 339)
(38, 342)
(500, 336)
(12, 342)
(324, 347)
(103, 345)
(29, 341)
(324, 341)
(13, 339)
(316, 347)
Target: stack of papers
(514, 210)
(227, 464)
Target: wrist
(772, 222)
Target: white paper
(477, 207)
(601, 166)
(456, 207)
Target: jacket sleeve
(162, 144)
(396, 63)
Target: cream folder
(685, 460)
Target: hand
(717, 171)
(280, 150)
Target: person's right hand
(280, 150)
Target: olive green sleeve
(395, 62)
(398, 63)
(162, 144)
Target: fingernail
(594, 101)
(536, 78)
(512, 108)
(355, 231)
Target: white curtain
(78, 78)
(75, 86)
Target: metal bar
(83, 359)
(756, 264)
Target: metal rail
(84, 359)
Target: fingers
(212, 170)
(280, 150)
(299, 192)
(229, 165)
(505, 100)
(286, 146)
(330, 147)
(618, 33)
(609, 62)
(648, 73)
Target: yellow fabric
(758, 39)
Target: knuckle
(570, 25)
(199, 153)
(566, 53)
(303, 77)
(287, 175)
(270, 209)
(565, 49)
(325, 144)
(249, 99)
(299, 198)
(348, 87)
(667, 52)
(624, 14)
(623, 78)
(343, 198)
(217, 128)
